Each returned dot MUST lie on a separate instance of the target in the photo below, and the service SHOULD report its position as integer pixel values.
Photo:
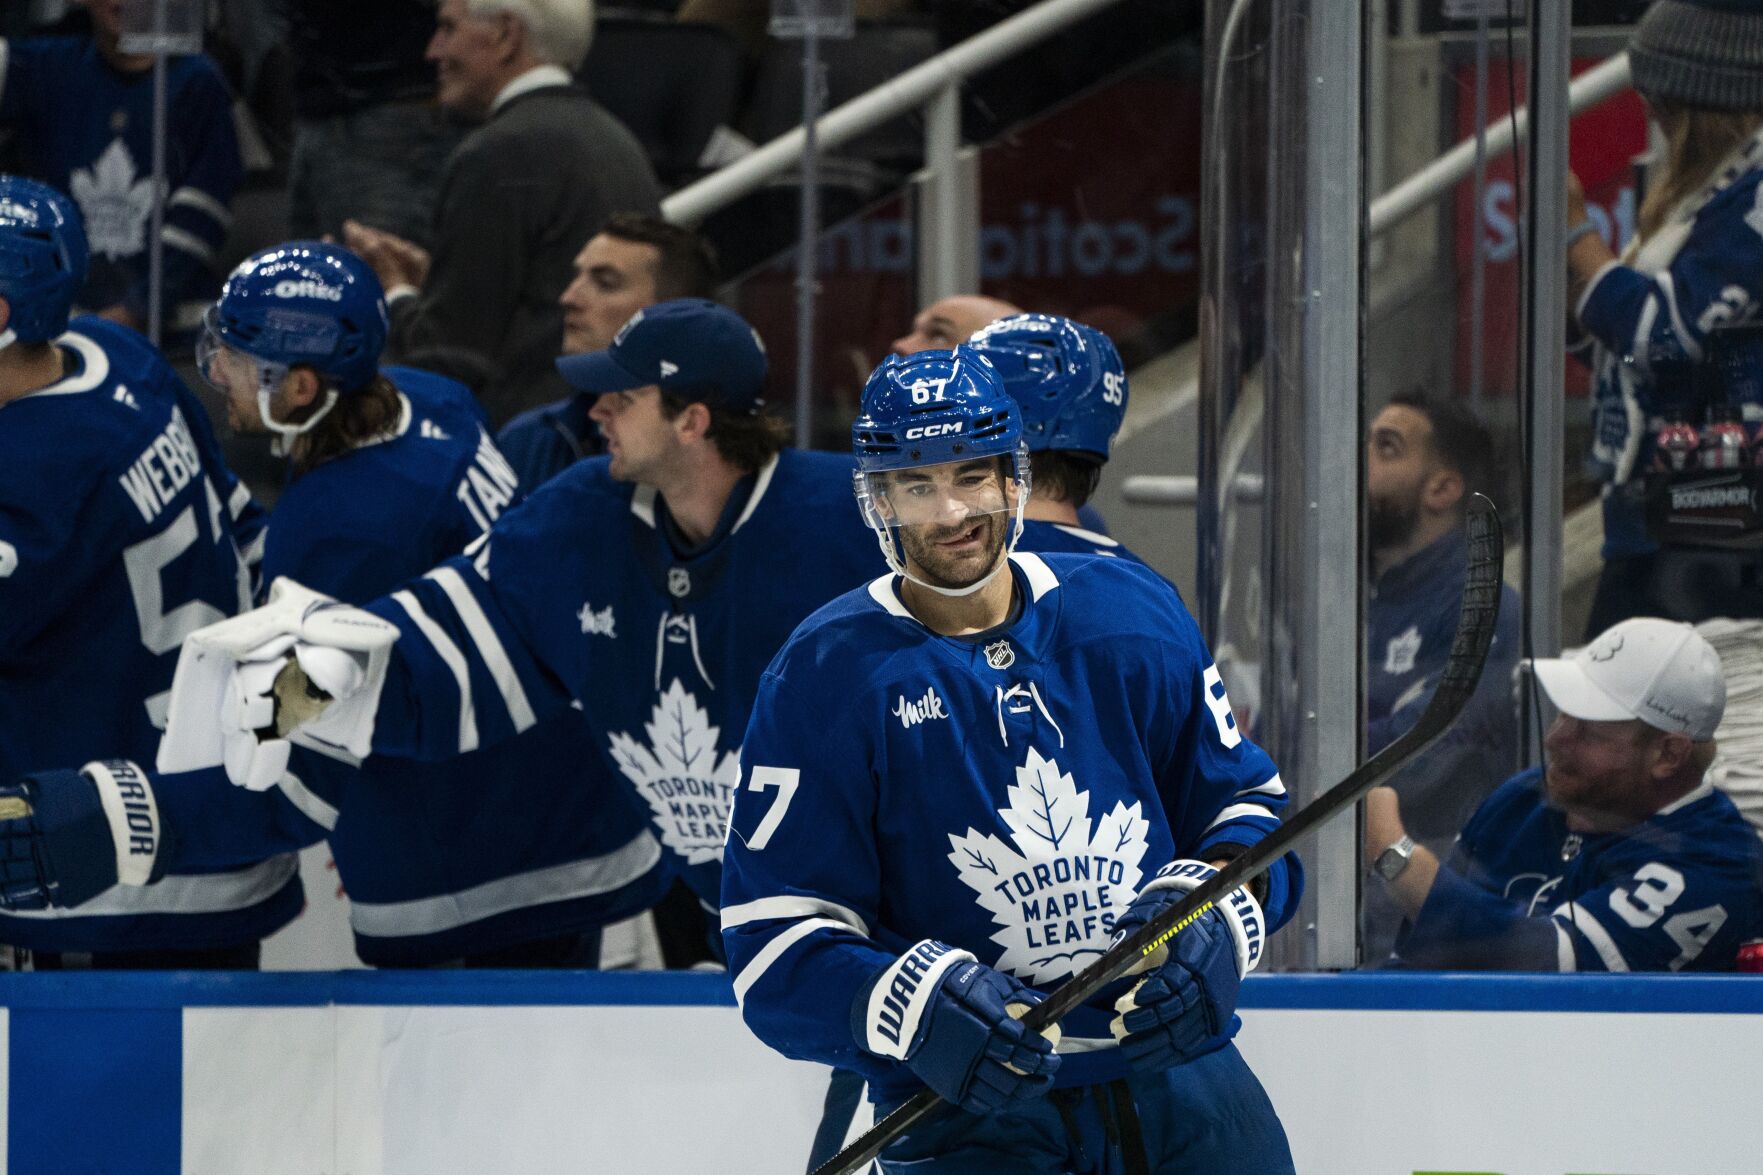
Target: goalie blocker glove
(952, 1020)
(67, 836)
(1179, 1010)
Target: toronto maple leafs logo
(1056, 889)
(1399, 654)
(113, 202)
(688, 786)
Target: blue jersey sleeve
(1223, 793)
(48, 547)
(479, 657)
(800, 885)
(211, 824)
(1663, 320)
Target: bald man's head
(952, 320)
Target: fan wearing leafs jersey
(514, 855)
(121, 531)
(650, 587)
(960, 783)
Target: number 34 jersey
(120, 533)
(1008, 795)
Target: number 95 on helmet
(941, 468)
(1067, 378)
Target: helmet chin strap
(287, 433)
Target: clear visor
(942, 495)
(226, 369)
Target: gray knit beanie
(1705, 53)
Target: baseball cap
(1659, 671)
(689, 347)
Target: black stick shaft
(1476, 618)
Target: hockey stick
(1469, 649)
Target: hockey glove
(271, 671)
(952, 1020)
(66, 836)
(1191, 992)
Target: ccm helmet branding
(289, 288)
(933, 430)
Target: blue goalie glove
(67, 836)
(953, 1021)
(1190, 993)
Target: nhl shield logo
(679, 582)
(999, 655)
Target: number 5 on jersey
(785, 780)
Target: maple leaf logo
(688, 786)
(1056, 892)
(114, 203)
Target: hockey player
(510, 856)
(1070, 386)
(83, 110)
(964, 780)
(120, 533)
(650, 586)
(1617, 854)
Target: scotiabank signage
(1091, 211)
(1605, 141)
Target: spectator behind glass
(83, 110)
(951, 320)
(370, 141)
(517, 197)
(633, 262)
(1616, 854)
(1422, 460)
(1695, 264)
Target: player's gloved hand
(294, 658)
(1191, 992)
(66, 836)
(953, 1020)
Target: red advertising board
(1605, 141)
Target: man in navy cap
(650, 586)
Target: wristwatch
(1394, 859)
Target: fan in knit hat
(1706, 53)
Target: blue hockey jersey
(1680, 891)
(120, 533)
(526, 840)
(1007, 795)
(86, 128)
(1042, 537)
(579, 596)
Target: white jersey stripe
(775, 947)
(793, 906)
(1565, 960)
(1235, 811)
(489, 646)
(184, 893)
(449, 653)
(1577, 916)
(310, 805)
(189, 242)
(188, 197)
(1273, 787)
(584, 878)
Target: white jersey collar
(95, 368)
(536, 78)
(1039, 576)
(643, 497)
(397, 430)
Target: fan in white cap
(1659, 671)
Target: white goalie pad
(222, 693)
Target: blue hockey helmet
(933, 408)
(42, 259)
(1066, 376)
(300, 304)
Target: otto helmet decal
(309, 304)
